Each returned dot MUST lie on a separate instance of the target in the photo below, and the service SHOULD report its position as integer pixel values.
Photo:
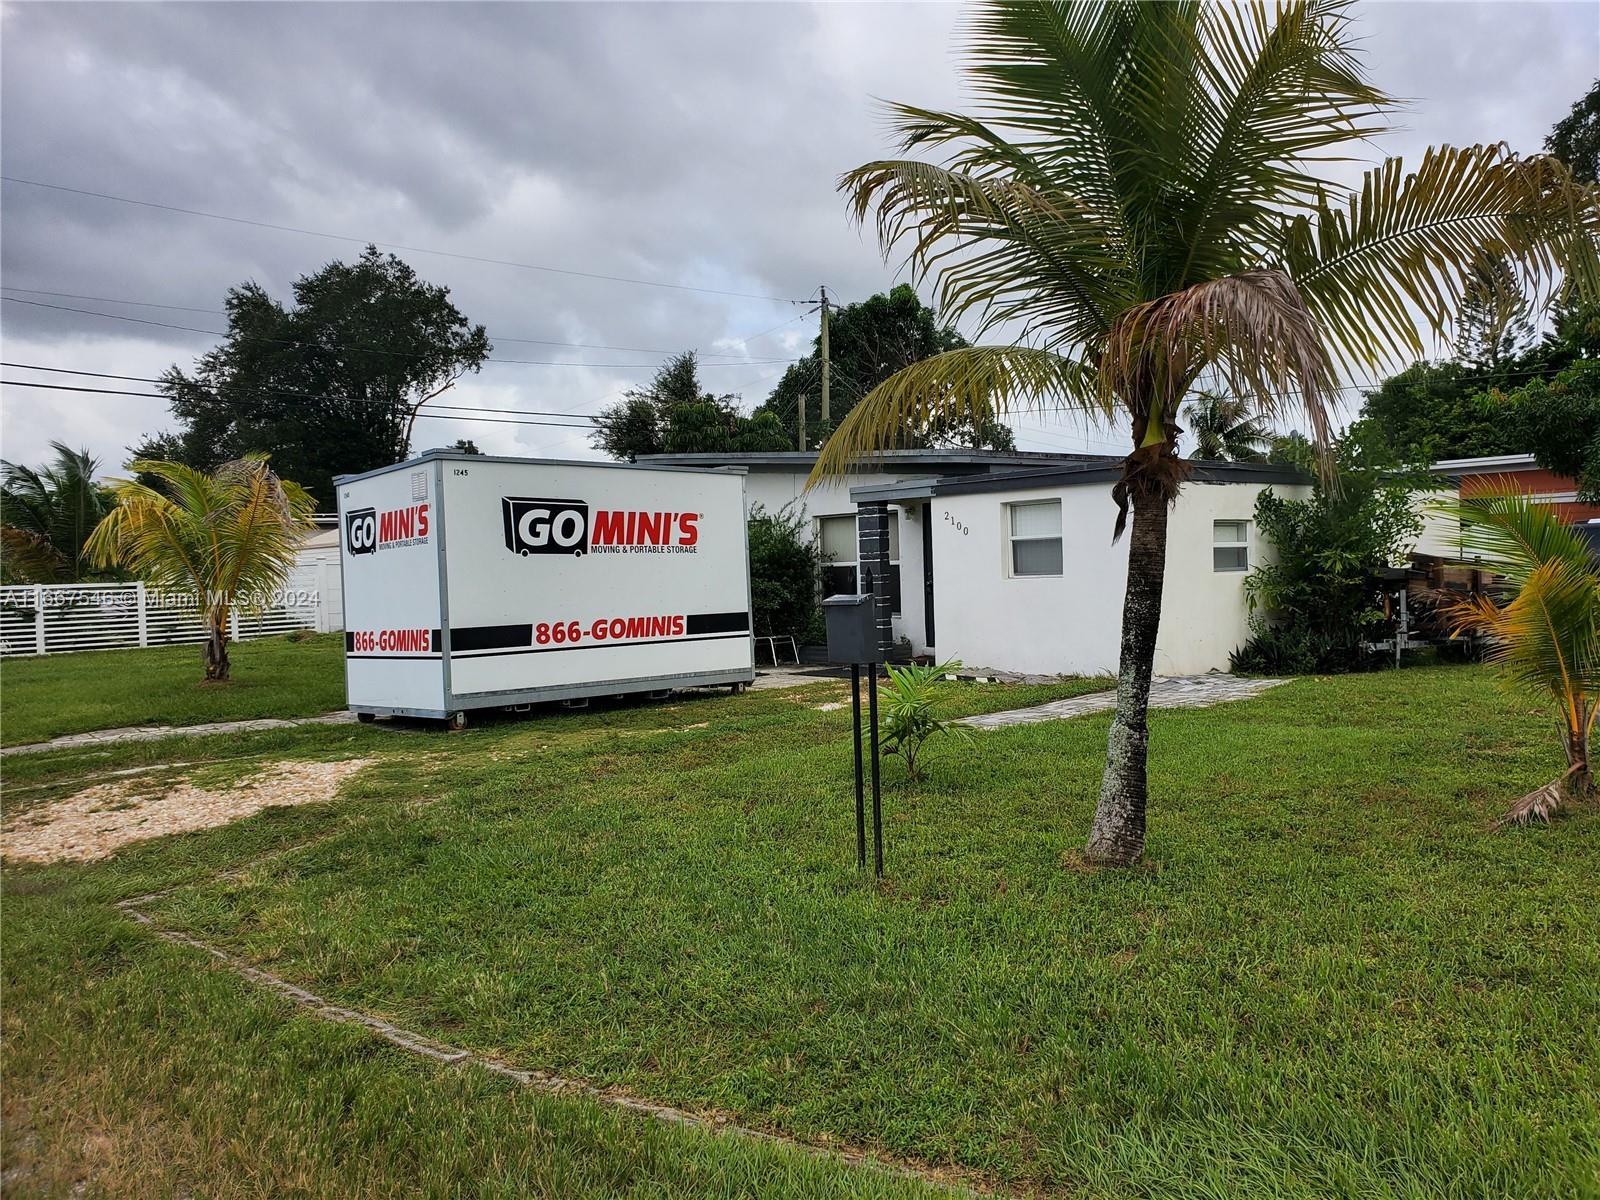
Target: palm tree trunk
(216, 651)
(1579, 781)
(1117, 836)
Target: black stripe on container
(591, 644)
(490, 637)
(727, 622)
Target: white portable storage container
(478, 582)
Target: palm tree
(1546, 635)
(1224, 429)
(228, 538)
(46, 515)
(1139, 196)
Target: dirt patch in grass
(99, 820)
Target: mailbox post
(853, 639)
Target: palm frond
(1546, 638)
(28, 557)
(1277, 91)
(59, 504)
(1029, 232)
(1252, 328)
(1512, 533)
(1405, 243)
(230, 537)
(976, 383)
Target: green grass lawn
(42, 698)
(1330, 980)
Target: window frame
(853, 564)
(1012, 539)
(1243, 544)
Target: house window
(1230, 545)
(839, 555)
(1035, 534)
(841, 558)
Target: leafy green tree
(784, 566)
(1458, 409)
(673, 415)
(1293, 449)
(1558, 422)
(1439, 410)
(1224, 428)
(46, 515)
(466, 446)
(867, 343)
(1317, 601)
(1141, 192)
(228, 538)
(331, 385)
(1576, 138)
(1495, 323)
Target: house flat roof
(953, 461)
(1102, 471)
(1482, 466)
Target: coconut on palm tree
(46, 515)
(1224, 429)
(1141, 195)
(1544, 635)
(227, 539)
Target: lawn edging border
(954, 1180)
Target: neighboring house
(316, 570)
(1441, 535)
(1006, 560)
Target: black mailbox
(852, 629)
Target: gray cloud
(691, 143)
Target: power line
(521, 412)
(493, 337)
(340, 237)
(422, 412)
(523, 362)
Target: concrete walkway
(149, 733)
(1167, 691)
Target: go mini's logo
(366, 530)
(540, 526)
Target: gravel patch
(100, 820)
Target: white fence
(58, 618)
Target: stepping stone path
(149, 733)
(1167, 691)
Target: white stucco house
(1005, 560)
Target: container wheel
(456, 720)
(366, 718)
(738, 689)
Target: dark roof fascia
(1088, 473)
(953, 462)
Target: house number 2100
(949, 520)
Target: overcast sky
(683, 143)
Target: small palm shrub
(1543, 634)
(908, 722)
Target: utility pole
(826, 413)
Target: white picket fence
(59, 618)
